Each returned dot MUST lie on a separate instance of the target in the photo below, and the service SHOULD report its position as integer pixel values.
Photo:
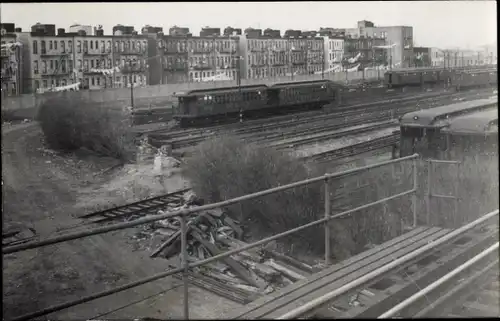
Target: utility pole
(131, 86)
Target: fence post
(327, 223)
(457, 199)
(429, 194)
(185, 263)
(414, 196)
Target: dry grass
(70, 124)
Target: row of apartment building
(46, 58)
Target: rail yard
(202, 253)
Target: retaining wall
(160, 95)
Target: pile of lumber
(241, 277)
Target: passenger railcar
(429, 132)
(307, 93)
(203, 103)
(223, 102)
(431, 76)
(475, 78)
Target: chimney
(99, 32)
(60, 31)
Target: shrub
(224, 167)
(72, 123)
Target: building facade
(333, 52)
(131, 60)
(94, 61)
(362, 52)
(11, 61)
(422, 57)
(399, 40)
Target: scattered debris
(240, 277)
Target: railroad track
(145, 207)
(276, 130)
(354, 149)
(337, 134)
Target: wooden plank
(342, 269)
(289, 260)
(235, 266)
(357, 270)
(388, 245)
(287, 272)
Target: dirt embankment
(46, 191)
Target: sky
(444, 24)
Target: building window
(63, 46)
(50, 45)
(45, 84)
(108, 47)
(91, 63)
(35, 67)
(35, 47)
(91, 45)
(70, 46)
(109, 63)
(43, 47)
(70, 66)
(57, 65)
(98, 81)
(55, 44)
(79, 46)
(52, 64)
(96, 45)
(93, 81)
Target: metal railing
(422, 293)
(185, 266)
(314, 304)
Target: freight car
(209, 105)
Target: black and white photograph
(249, 160)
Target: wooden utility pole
(131, 86)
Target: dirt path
(40, 190)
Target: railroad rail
(355, 149)
(140, 208)
(267, 131)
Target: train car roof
(293, 83)
(481, 122)
(440, 116)
(217, 90)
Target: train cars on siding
(203, 103)
(475, 78)
(307, 93)
(217, 103)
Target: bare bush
(72, 123)
(225, 167)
